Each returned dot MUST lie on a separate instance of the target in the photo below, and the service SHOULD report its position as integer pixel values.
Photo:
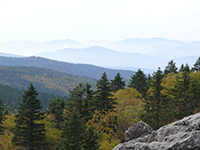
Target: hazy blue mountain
(10, 55)
(31, 48)
(160, 48)
(104, 57)
(149, 42)
(147, 53)
(24, 47)
(75, 69)
(195, 43)
(144, 46)
(174, 52)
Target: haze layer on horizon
(84, 20)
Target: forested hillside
(100, 117)
(12, 96)
(90, 71)
(45, 80)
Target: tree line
(172, 94)
(97, 119)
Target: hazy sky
(82, 20)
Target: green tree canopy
(139, 82)
(81, 100)
(171, 67)
(91, 139)
(73, 132)
(154, 102)
(185, 94)
(28, 133)
(103, 97)
(117, 83)
(2, 116)
(56, 107)
(196, 66)
(184, 68)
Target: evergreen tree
(103, 100)
(149, 78)
(88, 106)
(75, 100)
(194, 93)
(81, 100)
(139, 82)
(28, 132)
(56, 107)
(171, 67)
(91, 139)
(184, 68)
(196, 66)
(117, 83)
(2, 116)
(73, 132)
(154, 101)
(184, 103)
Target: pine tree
(184, 103)
(103, 97)
(91, 139)
(88, 106)
(2, 116)
(139, 82)
(149, 78)
(73, 132)
(81, 100)
(117, 83)
(28, 132)
(75, 99)
(56, 107)
(196, 66)
(171, 67)
(154, 101)
(184, 68)
(194, 93)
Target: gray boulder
(180, 135)
(140, 129)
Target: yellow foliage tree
(112, 124)
(128, 109)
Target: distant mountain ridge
(109, 58)
(30, 48)
(103, 57)
(90, 71)
(158, 47)
(145, 53)
(9, 55)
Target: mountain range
(130, 54)
(104, 57)
(85, 70)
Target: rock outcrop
(180, 135)
(140, 129)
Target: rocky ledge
(180, 135)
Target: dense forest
(45, 80)
(97, 118)
(12, 96)
(75, 69)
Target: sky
(85, 20)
